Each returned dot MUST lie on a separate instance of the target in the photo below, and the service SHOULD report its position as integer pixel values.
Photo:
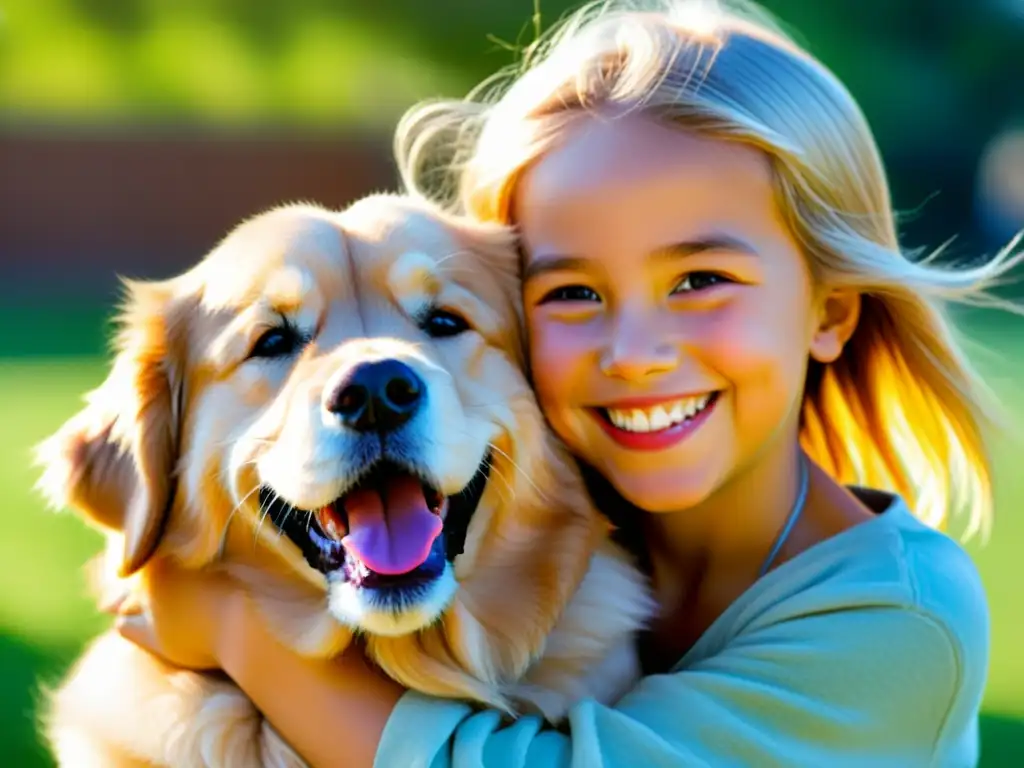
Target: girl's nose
(636, 350)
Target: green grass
(45, 615)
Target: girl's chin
(661, 491)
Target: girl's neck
(703, 559)
(732, 531)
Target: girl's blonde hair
(901, 409)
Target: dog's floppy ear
(114, 461)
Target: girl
(725, 332)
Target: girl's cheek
(550, 340)
(749, 336)
(556, 350)
(761, 355)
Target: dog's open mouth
(388, 530)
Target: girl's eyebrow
(554, 263)
(716, 242)
(545, 264)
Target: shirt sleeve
(867, 686)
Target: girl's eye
(277, 342)
(699, 281)
(571, 293)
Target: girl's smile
(654, 423)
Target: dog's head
(356, 382)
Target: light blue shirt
(868, 649)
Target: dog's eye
(277, 342)
(440, 323)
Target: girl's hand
(332, 711)
(186, 614)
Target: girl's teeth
(639, 421)
(658, 417)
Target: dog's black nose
(377, 397)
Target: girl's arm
(861, 687)
(860, 673)
(864, 686)
(331, 712)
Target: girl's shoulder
(886, 620)
(891, 562)
(898, 557)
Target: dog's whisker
(523, 472)
(230, 517)
(238, 506)
(449, 270)
(263, 513)
(500, 475)
(289, 510)
(491, 466)
(451, 255)
(244, 464)
(259, 522)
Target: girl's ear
(837, 318)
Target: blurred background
(135, 133)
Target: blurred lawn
(51, 355)
(220, 61)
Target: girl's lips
(655, 440)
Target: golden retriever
(334, 407)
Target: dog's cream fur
(538, 611)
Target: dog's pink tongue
(391, 535)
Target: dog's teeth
(328, 519)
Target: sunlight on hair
(902, 409)
(699, 18)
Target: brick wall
(78, 209)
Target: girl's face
(671, 314)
